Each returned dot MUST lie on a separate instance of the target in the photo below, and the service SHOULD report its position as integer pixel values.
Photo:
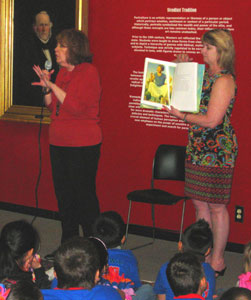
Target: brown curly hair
(78, 46)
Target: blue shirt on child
(99, 292)
(162, 285)
(123, 269)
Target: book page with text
(184, 95)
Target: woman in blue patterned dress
(212, 145)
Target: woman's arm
(222, 92)
(59, 93)
(47, 99)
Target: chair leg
(128, 218)
(127, 225)
(153, 219)
(182, 219)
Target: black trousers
(74, 176)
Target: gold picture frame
(8, 111)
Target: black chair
(168, 164)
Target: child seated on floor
(77, 270)
(236, 293)
(19, 243)
(124, 287)
(122, 264)
(186, 276)
(20, 290)
(245, 278)
(197, 239)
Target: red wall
(19, 155)
(128, 147)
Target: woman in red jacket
(74, 135)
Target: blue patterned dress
(211, 153)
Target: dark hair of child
(16, 239)
(102, 251)
(24, 290)
(110, 228)
(184, 273)
(197, 238)
(76, 264)
(236, 293)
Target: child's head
(236, 293)
(185, 274)
(102, 251)
(247, 258)
(76, 264)
(24, 290)
(197, 238)
(19, 241)
(110, 228)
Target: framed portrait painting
(28, 32)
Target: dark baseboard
(146, 231)
(27, 210)
(169, 235)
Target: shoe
(220, 273)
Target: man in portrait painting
(35, 49)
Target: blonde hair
(223, 41)
(247, 258)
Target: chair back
(169, 163)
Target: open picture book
(168, 83)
